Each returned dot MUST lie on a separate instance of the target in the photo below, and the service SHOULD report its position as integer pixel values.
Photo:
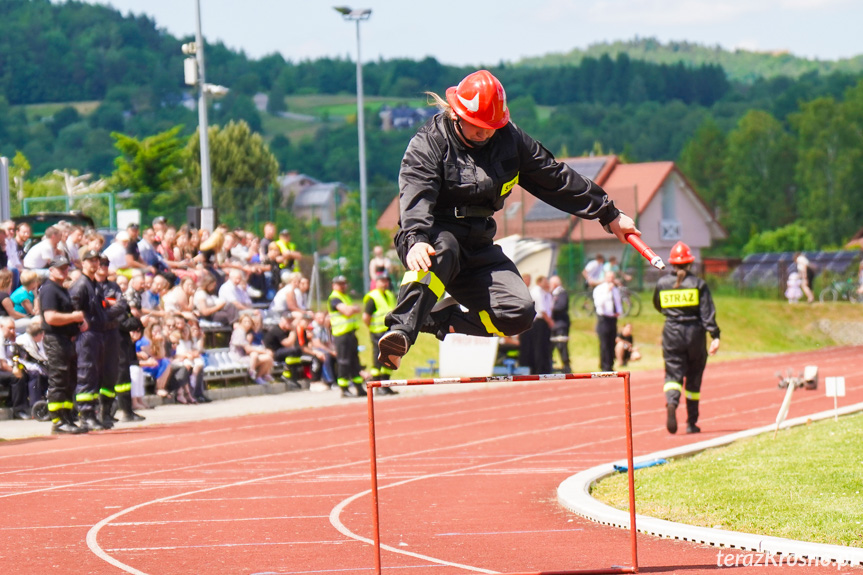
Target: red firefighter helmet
(681, 254)
(481, 100)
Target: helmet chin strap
(470, 143)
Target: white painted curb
(574, 494)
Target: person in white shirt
(234, 290)
(804, 268)
(116, 252)
(593, 272)
(39, 257)
(606, 299)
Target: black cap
(90, 254)
(285, 232)
(340, 280)
(133, 225)
(59, 262)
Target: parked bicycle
(841, 290)
(630, 300)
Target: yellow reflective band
(107, 392)
(693, 395)
(56, 406)
(678, 298)
(386, 371)
(342, 382)
(427, 279)
(358, 379)
(489, 326)
(374, 372)
(672, 386)
(507, 187)
(293, 360)
(123, 387)
(286, 374)
(86, 397)
(69, 405)
(56, 420)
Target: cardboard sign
(467, 355)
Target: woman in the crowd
(257, 359)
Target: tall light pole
(357, 16)
(195, 75)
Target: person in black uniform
(687, 305)
(62, 324)
(87, 297)
(560, 317)
(457, 171)
(119, 350)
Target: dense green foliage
(769, 141)
(740, 65)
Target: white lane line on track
(496, 407)
(93, 533)
(224, 545)
(461, 534)
(466, 410)
(314, 449)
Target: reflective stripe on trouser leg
(418, 294)
(343, 383)
(672, 391)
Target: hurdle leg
(373, 458)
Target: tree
(702, 162)
(152, 164)
(151, 169)
(242, 170)
(830, 166)
(760, 172)
(791, 238)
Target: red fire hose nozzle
(645, 251)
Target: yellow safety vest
(385, 301)
(285, 247)
(339, 323)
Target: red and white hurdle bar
(625, 375)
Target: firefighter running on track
(457, 171)
(685, 301)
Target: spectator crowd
(170, 293)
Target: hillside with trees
(86, 89)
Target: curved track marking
(92, 534)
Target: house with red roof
(666, 206)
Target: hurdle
(624, 375)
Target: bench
(222, 367)
(216, 334)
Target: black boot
(361, 389)
(671, 417)
(692, 416)
(87, 419)
(125, 403)
(105, 416)
(64, 425)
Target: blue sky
(477, 32)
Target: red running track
(467, 482)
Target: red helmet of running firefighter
(681, 254)
(481, 100)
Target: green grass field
(806, 485)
